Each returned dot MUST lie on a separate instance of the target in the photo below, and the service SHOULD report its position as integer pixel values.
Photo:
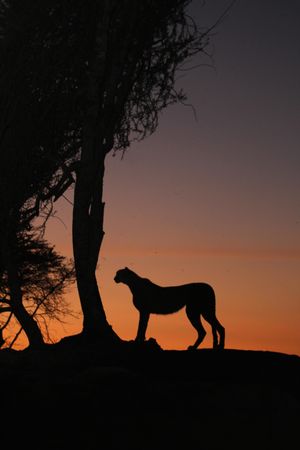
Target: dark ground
(66, 397)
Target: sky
(214, 194)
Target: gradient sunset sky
(215, 197)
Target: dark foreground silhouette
(150, 298)
(142, 397)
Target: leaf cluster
(44, 275)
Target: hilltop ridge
(146, 398)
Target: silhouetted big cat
(150, 298)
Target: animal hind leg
(194, 318)
(221, 331)
(215, 336)
(217, 329)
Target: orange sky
(215, 199)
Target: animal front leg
(143, 322)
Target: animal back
(170, 299)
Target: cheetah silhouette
(150, 298)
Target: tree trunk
(88, 217)
(28, 324)
(87, 237)
(88, 209)
(26, 321)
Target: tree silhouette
(31, 156)
(94, 76)
(33, 287)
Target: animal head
(122, 275)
